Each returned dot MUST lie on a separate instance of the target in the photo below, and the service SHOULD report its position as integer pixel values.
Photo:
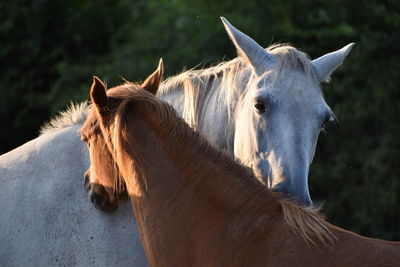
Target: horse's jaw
(290, 181)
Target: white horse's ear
(249, 49)
(152, 82)
(98, 93)
(326, 64)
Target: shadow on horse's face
(100, 184)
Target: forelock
(290, 57)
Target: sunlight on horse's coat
(196, 206)
(279, 143)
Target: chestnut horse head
(105, 187)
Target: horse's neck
(188, 197)
(209, 105)
(172, 162)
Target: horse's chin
(300, 198)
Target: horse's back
(46, 217)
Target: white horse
(265, 107)
(45, 217)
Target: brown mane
(306, 223)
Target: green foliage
(50, 50)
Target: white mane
(231, 77)
(291, 57)
(74, 114)
(198, 85)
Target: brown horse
(195, 206)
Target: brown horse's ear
(152, 82)
(98, 93)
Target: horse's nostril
(97, 200)
(91, 196)
(87, 183)
(102, 202)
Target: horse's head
(280, 116)
(102, 179)
(100, 183)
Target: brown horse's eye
(84, 138)
(260, 107)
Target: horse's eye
(86, 140)
(260, 107)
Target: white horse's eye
(260, 107)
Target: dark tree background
(51, 48)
